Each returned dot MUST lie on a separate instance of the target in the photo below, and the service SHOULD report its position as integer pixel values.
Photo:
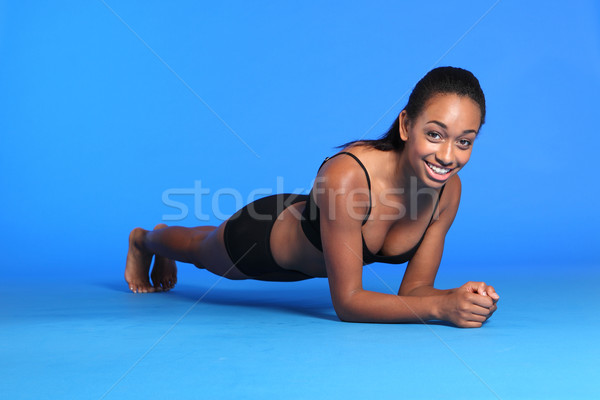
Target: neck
(404, 175)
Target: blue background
(94, 127)
(98, 122)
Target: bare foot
(138, 263)
(164, 271)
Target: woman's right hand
(469, 305)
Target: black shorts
(247, 234)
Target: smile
(438, 172)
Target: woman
(387, 200)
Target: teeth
(441, 171)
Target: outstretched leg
(202, 246)
(164, 271)
(138, 262)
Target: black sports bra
(312, 228)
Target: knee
(160, 226)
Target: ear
(403, 123)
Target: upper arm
(423, 266)
(343, 202)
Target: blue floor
(212, 338)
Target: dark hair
(439, 80)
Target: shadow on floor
(309, 302)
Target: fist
(470, 305)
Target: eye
(434, 135)
(465, 143)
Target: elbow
(345, 316)
(345, 309)
(342, 312)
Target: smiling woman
(388, 200)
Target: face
(439, 141)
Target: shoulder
(343, 171)
(343, 186)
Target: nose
(445, 154)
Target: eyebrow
(445, 127)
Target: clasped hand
(470, 305)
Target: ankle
(138, 238)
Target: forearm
(367, 306)
(427, 290)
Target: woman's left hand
(485, 290)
